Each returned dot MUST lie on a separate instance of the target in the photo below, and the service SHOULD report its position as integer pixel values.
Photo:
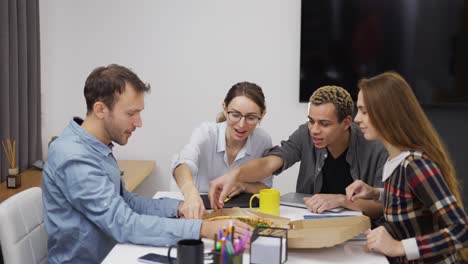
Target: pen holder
(269, 245)
(219, 258)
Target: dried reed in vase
(10, 151)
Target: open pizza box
(307, 233)
(277, 221)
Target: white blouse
(206, 155)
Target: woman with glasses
(425, 221)
(216, 148)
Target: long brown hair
(397, 116)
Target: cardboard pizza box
(307, 233)
(326, 232)
(278, 221)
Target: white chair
(22, 233)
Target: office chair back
(23, 237)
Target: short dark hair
(104, 83)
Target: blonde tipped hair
(336, 95)
(396, 114)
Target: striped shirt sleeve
(430, 187)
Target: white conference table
(349, 252)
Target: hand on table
(192, 207)
(238, 188)
(321, 202)
(379, 240)
(210, 228)
(220, 188)
(360, 190)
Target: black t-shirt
(336, 174)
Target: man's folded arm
(89, 190)
(163, 207)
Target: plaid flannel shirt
(419, 204)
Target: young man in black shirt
(332, 152)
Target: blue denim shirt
(87, 209)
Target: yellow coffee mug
(269, 201)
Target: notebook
(297, 200)
(240, 200)
(294, 199)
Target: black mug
(188, 251)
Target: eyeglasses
(235, 117)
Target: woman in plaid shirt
(425, 220)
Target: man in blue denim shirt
(87, 209)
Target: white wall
(191, 52)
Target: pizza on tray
(252, 221)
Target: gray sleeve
(265, 143)
(290, 150)
(380, 156)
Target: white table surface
(348, 252)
